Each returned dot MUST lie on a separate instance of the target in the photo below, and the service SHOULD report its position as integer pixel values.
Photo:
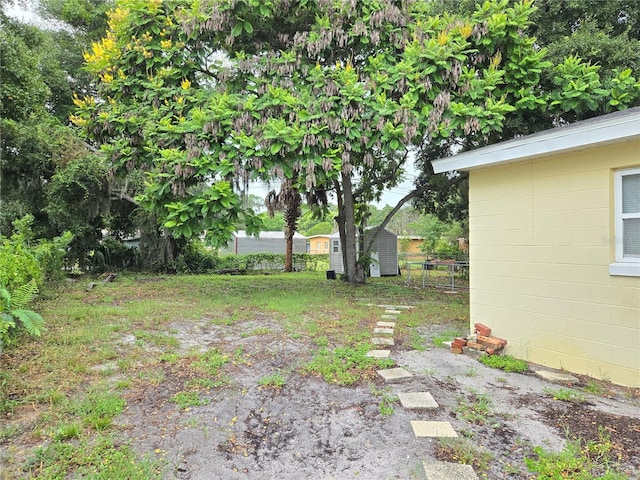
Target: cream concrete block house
(554, 244)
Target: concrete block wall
(541, 241)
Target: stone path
(434, 470)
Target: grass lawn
(60, 394)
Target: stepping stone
(386, 324)
(379, 353)
(392, 312)
(447, 471)
(392, 375)
(432, 429)
(557, 377)
(415, 400)
(382, 341)
(389, 317)
(384, 331)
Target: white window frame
(625, 266)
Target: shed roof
(611, 128)
(276, 235)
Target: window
(627, 218)
(326, 245)
(336, 246)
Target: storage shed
(385, 247)
(267, 242)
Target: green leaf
(275, 148)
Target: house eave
(616, 127)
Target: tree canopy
(330, 95)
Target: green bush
(18, 265)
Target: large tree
(202, 96)
(593, 48)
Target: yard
(266, 376)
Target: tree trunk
(354, 271)
(291, 215)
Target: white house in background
(266, 242)
(385, 247)
(554, 244)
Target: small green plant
(579, 460)
(416, 341)
(475, 409)
(566, 395)
(504, 362)
(275, 380)
(98, 409)
(13, 314)
(344, 365)
(212, 361)
(594, 388)
(188, 399)
(471, 372)
(461, 450)
(445, 336)
(68, 431)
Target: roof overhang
(611, 128)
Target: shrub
(18, 265)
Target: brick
(490, 350)
(459, 342)
(456, 350)
(494, 342)
(475, 345)
(503, 341)
(482, 329)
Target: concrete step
(448, 471)
(432, 429)
(417, 400)
(394, 375)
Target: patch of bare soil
(312, 429)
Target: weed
(416, 341)
(170, 357)
(429, 371)
(566, 395)
(387, 400)
(594, 388)
(206, 383)
(275, 380)
(154, 376)
(188, 399)
(461, 450)
(212, 361)
(471, 372)
(98, 408)
(158, 339)
(344, 365)
(446, 336)
(476, 409)
(504, 362)
(322, 341)
(68, 431)
(578, 460)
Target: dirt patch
(310, 428)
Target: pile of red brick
(481, 340)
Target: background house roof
(611, 128)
